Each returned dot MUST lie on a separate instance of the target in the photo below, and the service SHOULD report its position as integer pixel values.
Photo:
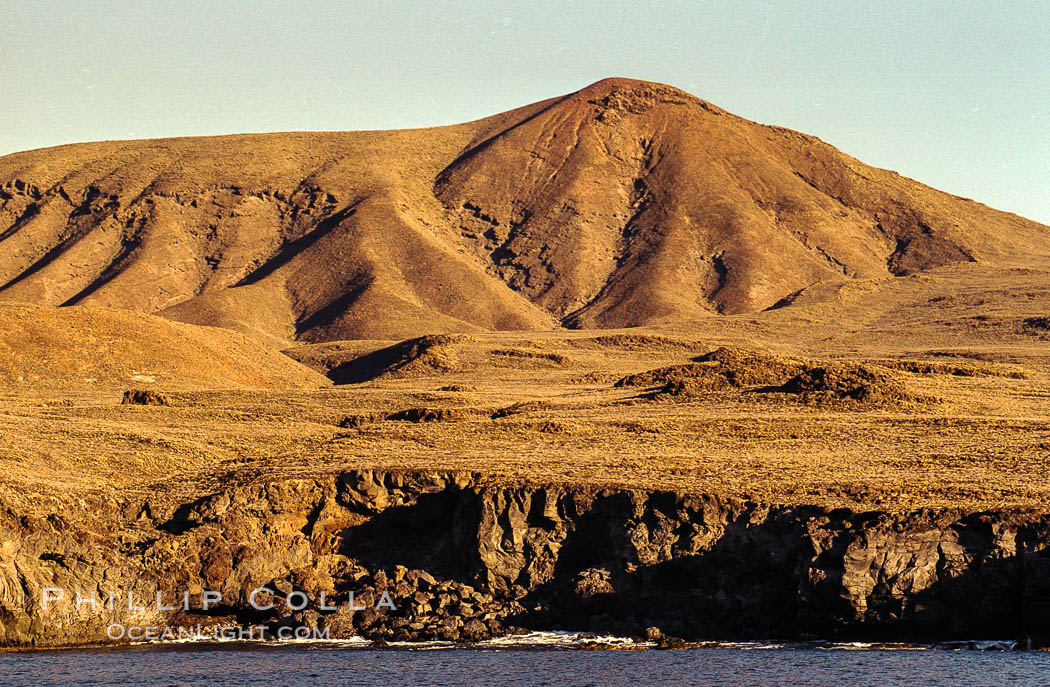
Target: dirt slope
(92, 349)
(623, 204)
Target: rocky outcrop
(453, 556)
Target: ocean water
(542, 659)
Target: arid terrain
(626, 204)
(623, 288)
(966, 422)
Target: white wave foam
(556, 639)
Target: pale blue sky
(954, 94)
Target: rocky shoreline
(451, 556)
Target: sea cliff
(453, 556)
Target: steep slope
(625, 203)
(632, 203)
(312, 236)
(87, 349)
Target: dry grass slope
(805, 424)
(92, 349)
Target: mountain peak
(616, 83)
(624, 203)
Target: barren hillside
(626, 203)
(89, 350)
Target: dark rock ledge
(464, 560)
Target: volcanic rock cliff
(464, 560)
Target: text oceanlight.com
(251, 633)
